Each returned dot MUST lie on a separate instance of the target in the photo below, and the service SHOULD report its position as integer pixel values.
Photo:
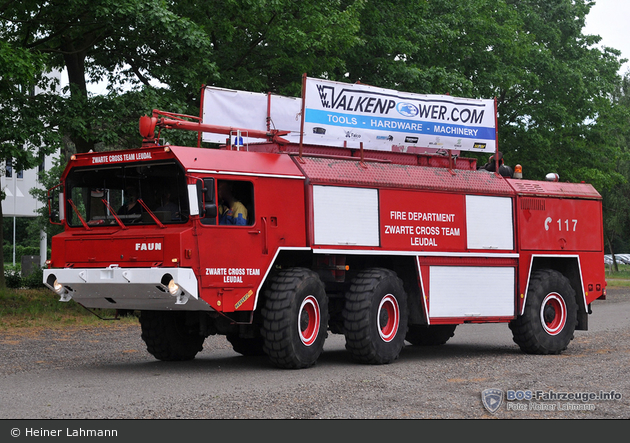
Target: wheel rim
(553, 313)
(388, 317)
(308, 320)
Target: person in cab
(231, 211)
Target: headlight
(173, 287)
(58, 287)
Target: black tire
(429, 335)
(249, 347)
(295, 318)
(375, 316)
(169, 337)
(550, 316)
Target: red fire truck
(382, 247)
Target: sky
(609, 20)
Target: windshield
(131, 193)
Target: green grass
(621, 274)
(22, 308)
(620, 278)
(616, 282)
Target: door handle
(265, 249)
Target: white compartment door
(471, 291)
(345, 216)
(489, 223)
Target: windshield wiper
(85, 225)
(143, 204)
(150, 212)
(108, 206)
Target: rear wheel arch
(569, 267)
(405, 267)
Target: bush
(35, 279)
(19, 252)
(14, 279)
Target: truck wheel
(295, 318)
(550, 315)
(375, 316)
(249, 347)
(168, 337)
(430, 335)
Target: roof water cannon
(147, 130)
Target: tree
(127, 42)
(266, 45)
(550, 121)
(25, 134)
(550, 81)
(437, 47)
(165, 51)
(616, 192)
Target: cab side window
(235, 203)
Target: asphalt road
(106, 373)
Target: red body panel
(235, 259)
(422, 221)
(554, 224)
(144, 247)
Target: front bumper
(127, 288)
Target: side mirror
(56, 213)
(210, 210)
(208, 190)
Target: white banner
(241, 109)
(385, 119)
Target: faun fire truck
(277, 243)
